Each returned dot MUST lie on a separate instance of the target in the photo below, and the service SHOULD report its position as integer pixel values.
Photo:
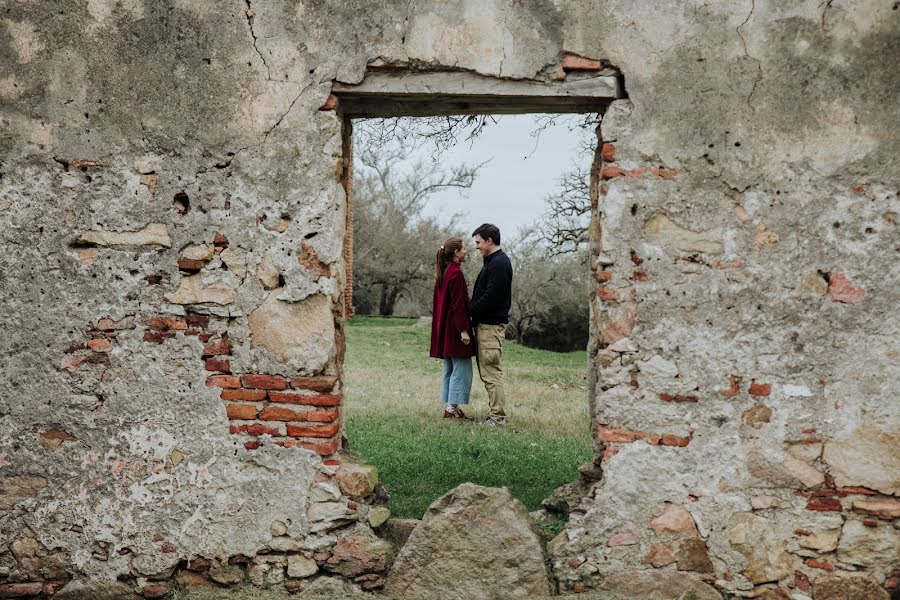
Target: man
(491, 299)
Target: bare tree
(564, 225)
(395, 243)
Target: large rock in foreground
(473, 543)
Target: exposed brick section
(189, 265)
(215, 364)
(195, 320)
(330, 103)
(574, 62)
(733, 387)
(264, 382)
(309, 260)
(20, 590)
(241, 412)
(677, 398)
(315, 384)
(278, 413)
(323, 416)
(320, 431)
(223, 381)
(613, 172)
(841, 290)
(725, 264)
(819, 564)
(220, 242)
(801, 581)
(886, 508)
(323, 448)
(256, 429)
(100, 345)
(843, 491)
(608, 153)
(760, 389)
(252, 445)
(158, 337)
(603, 275)
(167, 323)
(607, 294)
(218, 348)
(664, 173)
(610, 435)
(244, 395)
(824, 504)
(305, 399)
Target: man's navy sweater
(492, 295)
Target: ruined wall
(172, 274)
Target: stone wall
(172, 272)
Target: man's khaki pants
(490, 346)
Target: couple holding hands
(462, 328)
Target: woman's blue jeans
(457, 381)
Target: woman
(450, 336)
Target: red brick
(856, 490)
(609, 452)
(677, 398)
(824, 504)
(605, 434)
(801, 581)
(635, 258)
(330, 103)
(241, 412)
(223, 381)
(323, 416)
(256, 429)
(841, 290)
(869, 522)
(574, 62)
(20, 590)
(305, 399)
(315, 384)
(244, 395)
(607, 294)
(668, 439)
(167, 323)
(214, 364)
(331, 463)
(220, 240)
(724, 264)
(603, 276)
(100, 345)
(195, 320)
(891, 583)
(219, 348)
(734, 388)
(277, 413)
(264, 382)
(639, 275)
(168, 548)
(608, 153)
(252, 445)
(664, 173)
(611, 172)
(189, 265)
(323, 448)
(157, 337)
(320, 431)
(819, 564)
(760, 389)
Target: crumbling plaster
(772, 131)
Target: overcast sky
(510, 190)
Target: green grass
(393, 419)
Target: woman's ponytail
(444, 258)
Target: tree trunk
(389, 296)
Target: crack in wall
(250, 14)
(759, 74)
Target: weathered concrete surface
(747, 218)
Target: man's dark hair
(488, 231)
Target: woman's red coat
(450, 316)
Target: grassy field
(393, 418)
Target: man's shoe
(459, 414)
(492, 422)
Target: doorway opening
(392, 413)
